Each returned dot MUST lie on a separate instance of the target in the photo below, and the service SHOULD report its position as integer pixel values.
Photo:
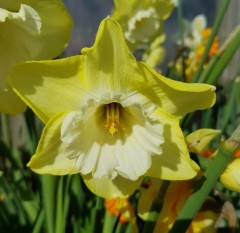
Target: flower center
(113, 117)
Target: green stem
(216, 25)
(121, 228)
(60, 213)
(109, 222)
(225, 58)
(39, 223)
(206, 183)
(48, 194)
(96, 214)
(66, 194)
(208, 69)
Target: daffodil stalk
(48, 184)
(227, 111)
(207, 182)
(37, 227)
(109, 222)
(216, 25)
(231, 48)
(218, 62)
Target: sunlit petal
(119, 187)
(174, 162)
(44, 81)
(231, 176)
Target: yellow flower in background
(199, 140)
(230, 178)
(141, 21)
(30, 30)
(156, 52)
(175, 197)
(195, 39)
(108, 117)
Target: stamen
(113, 118)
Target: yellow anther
(113, 119)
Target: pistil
(113, 118)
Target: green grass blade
(216, 25)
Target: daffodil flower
(231, 176)
(196, 37)
(141, 20)
(156, 52)
(108, 117)
(29, 30)
(198, 140)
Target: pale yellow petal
(51, 156)
(49, 87)
(147, 197)
(109, 65)
(30, 30)
(54, 25)
(174, 163)
(119, 187)
(199, 139)
(177, 98)
(231, 176)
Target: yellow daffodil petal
(114, 72)
(174, 163)
(147, 197)
(231, 176)
(118, 187)
(43, 27)
(49, 86)
(198, 140)
(177, 98)
(51, 156)
(30, 30)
